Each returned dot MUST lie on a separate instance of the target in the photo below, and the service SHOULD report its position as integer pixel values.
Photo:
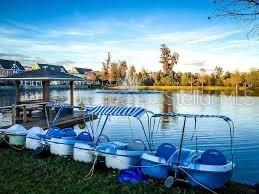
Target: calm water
(211, 133)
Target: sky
(81, 33)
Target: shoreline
(161, 88)
(22, 172)
(207, 88)
(52, 87)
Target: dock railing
(24, 107)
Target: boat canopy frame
(195, 116)
(108, 111)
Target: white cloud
(87, 45)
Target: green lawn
(21, 172)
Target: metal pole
(145, 135)
(102, 129)
(181, 144)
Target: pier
(31, 113)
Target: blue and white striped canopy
(173, 114)
(117, 111)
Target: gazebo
(46, 76)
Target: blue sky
(82, 32)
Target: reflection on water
(246, 92)
(168, 106)
(211, 133)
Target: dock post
(17, 92)
(24, 115)
(13, 114)
(46, 85)
(71, 84)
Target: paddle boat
(59, 141)
(33, 138)
(65, 142)
(16, 135)
(62, 141)
(119, 155)
(204, 168)
(85, 146)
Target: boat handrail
(195, 116)
(174, 114)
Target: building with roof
(57, 68)
(80, 71)
(50, 67)
(10, 67)
(27, 68)
(46, 76)
(87, 74)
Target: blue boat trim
(114, 154)
(13, 134)
(84, 149)
(34, 138)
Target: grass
(21, 172)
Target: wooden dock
(77, 117)
(38, 119)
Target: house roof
(52, 67)
(82, 70)
(9, 64)
(43, 75)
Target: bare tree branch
(243, 11)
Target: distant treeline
(119, 73)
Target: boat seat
(165, 151)
(84, 137)
(64, 133)
(111, 147)
(213, 157)
(186, 157)
(136, 145)
(103, 139)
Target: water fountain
(129, 86)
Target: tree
(91, 76)
(218, 72)
(236, 79)
(167, 59)
(106, 65)
(191, 79)
(243, 11)
(251, 77)
(184, 79)
(122, 70)
(101, 75)
(177, 78)
(212, 80)
(227, 82)
(202, 77)
(139, 78)
(156, 76)
(112, 75)
(227, 75)
(167, 80)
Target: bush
(167, 81)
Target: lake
(211, 133)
